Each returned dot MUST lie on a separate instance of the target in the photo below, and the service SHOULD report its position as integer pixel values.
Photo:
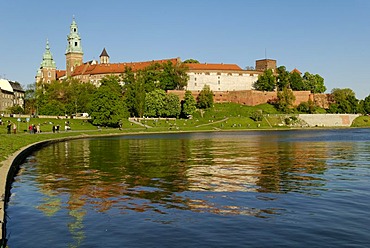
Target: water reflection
(108, 172)
(182, 172)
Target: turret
(104, 57)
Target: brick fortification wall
(254, 97)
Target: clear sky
(326, 37)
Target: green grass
(361, 121)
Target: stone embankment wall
(254, 97)
(328, 120)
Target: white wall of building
(222, 81)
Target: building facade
(219, 77)
(11, 94)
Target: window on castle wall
(76, 43)
(195, 84)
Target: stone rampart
(254, 97)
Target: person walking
(14, 128)
(9, 126)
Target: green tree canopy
(283, 78)
(154, 103)
(64, 97)
(188, 105)
(160, 104)
(108, 108)
(134, 92)
(296, 81)
(314, 83)
(366, 105)
(191, 61)
(285, 100)
(345, 101)
(172, 107)
(173, 77)
(205, 98)
(266, 81)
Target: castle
(220, 77)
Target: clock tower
(74, 53)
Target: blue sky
(326, 37)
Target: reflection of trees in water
(291, 166)
(150, 174)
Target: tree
(63, 97)
(205, 98)
(283, 78)
(307, 107)
(266, 81)
(134, 92)
(296, 81)
(285, 100)
(314, 83)
(191, 61)
(154, 103)
(257, 115)
(188, 105)
(172, 107)
(160, 104)
(345, 101)
(108, 108)
(173, 77)
(366, 105)
(30, 99)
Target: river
(296, 188)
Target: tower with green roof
(47, 71)
(74, 53)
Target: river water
(299, 188)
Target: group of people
(55, 128)
(34, 128)
(9, 127)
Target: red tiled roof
(89, 69)
(60, 73)
(218, 67)
(296, 70)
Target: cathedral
(219, 77)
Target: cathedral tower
(74, 53)
(47, 71)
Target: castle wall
(254, 97)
